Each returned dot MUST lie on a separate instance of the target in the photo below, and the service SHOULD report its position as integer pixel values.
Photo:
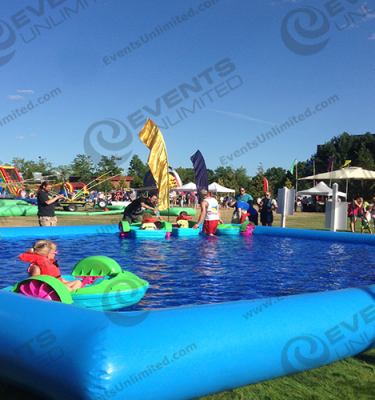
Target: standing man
(133, 211)
(46, 206)
(243, 196)
(266, 207)
(209, 213)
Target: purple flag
(330, 163)
(201, 177)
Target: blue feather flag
(201, 177)
(304, 172)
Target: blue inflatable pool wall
(64, 352)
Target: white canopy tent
(215, 187)
(321, 189)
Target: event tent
(321, 189)
(215, 187)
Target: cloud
(15, 97)
(372, 37)
(20, 137)
(32, 134)
(25, 91)
(242, 116)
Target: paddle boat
(184, 232)
(244, 229)
(164, 229)
(105, 286)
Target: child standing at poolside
(42, 262)
(366, 219)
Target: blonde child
(42, 262)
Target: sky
(244, 82)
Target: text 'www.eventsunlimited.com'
(278, 129)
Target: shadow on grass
(368, 358)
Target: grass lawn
(353, 378)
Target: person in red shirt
(42, 262)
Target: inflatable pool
(182, 352)
(133, 231)
(194, 351)
(105, 286)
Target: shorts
(210, 227)
(47, 221)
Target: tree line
(357, 148)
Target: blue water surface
(203, 270)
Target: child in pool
(148, 222)
(42, 262)
(366, 219)
(182, 220)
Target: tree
(137, 168)
(288, 184)
(364, 188)
(106, 186)
(257, 184)
(122, 183)
(108, 165)
(83, 166)
(186, 174)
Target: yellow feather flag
(151, 136)
(346, 163)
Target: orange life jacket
(47, 266)
(149, 220)
(184, 217)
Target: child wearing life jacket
(182, 220)
(148, 222)
(42, 262)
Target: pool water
(202, 270)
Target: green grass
(353, 378)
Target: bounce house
(174, 179)
(10, 175)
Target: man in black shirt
(46, 207)
(133, 211)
